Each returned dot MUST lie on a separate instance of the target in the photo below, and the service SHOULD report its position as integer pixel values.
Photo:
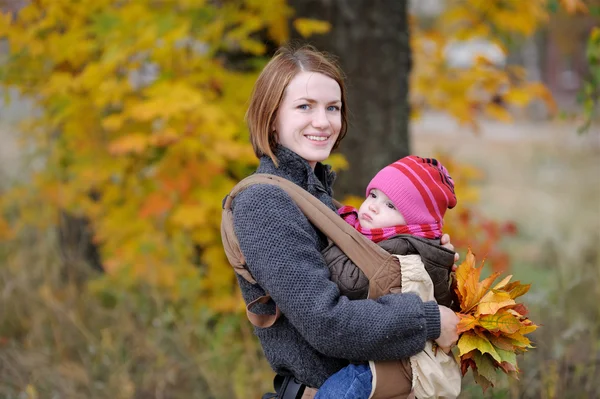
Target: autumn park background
(121, 129)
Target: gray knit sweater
(320, 331)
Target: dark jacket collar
(297, 170)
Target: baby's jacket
(438, 263)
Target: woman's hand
(445, 241)
(448, 335)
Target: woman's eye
(303, 107)
(372, 195)
(333, 108)
(390, 205)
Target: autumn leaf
(469, 341)
(501, 321)
(467, 322)
(516, 289)
(493, 301)
(462, 274)
(485, 367)
(500, 342)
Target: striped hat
(420, 188)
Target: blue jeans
(351, 382)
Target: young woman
(297, 116)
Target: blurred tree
(371, 39)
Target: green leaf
(469, 342)
(485, 367)
(481, 380)
(507, 356)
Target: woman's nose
(320, 120)
(373, 207)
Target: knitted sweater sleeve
(282, 253)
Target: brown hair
(270, 87)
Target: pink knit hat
(420, 188)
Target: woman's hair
(270, 87)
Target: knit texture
(320, 331)
(420, 188)
(350, 215)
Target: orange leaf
(467, 322)
(462, 273)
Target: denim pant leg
(351, 382)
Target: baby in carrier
(403, 213)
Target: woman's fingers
(445, 241)
(448, 322)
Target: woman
(297, 116)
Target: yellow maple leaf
(493, 301)
(470, 341)
(501, 321)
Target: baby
(403, 213)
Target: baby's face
(377, 212)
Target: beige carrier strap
(371, 259)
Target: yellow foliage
(483, 88)
(5, 230)
(147, 127)
(141, 124)
(308, 27)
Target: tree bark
(371, 40)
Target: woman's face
(309, 118)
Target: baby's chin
(365, 224)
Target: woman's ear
(273, 128)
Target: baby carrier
(391, 379)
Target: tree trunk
(371, 39)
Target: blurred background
(121, 130)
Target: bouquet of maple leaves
(492, 325)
